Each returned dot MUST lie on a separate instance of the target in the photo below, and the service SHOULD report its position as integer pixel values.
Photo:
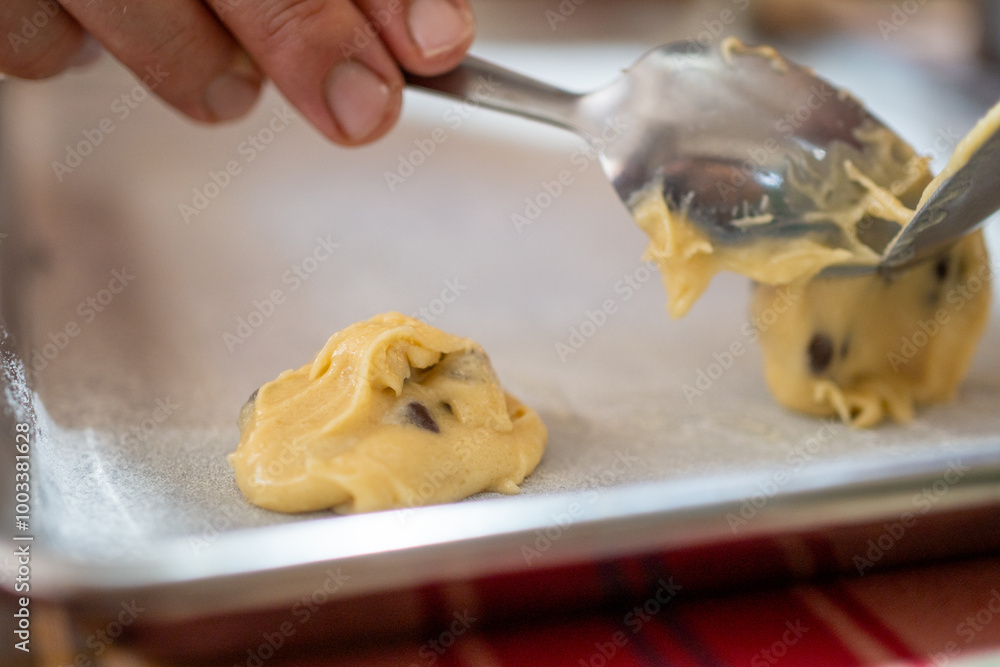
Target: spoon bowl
(729, 134)
(745, 144)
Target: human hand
(337, 61)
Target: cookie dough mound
(391, 413)
(871, 347)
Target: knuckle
(172, 54)
(281, 19)
(173, 47)
(38, 40)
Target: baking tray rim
(482, 538)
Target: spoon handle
(482, 83)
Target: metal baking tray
(135, 328)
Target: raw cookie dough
(849, 188)
(870, 347)
(392, 412)
(863, 348)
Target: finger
(40, 38)
(427, 37)
(351, 94)
(179, 49)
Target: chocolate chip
(941, 268)
(820, 353)
(418, 415)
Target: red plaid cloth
(944, 614)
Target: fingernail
(231, 95)
(89, 52)
(437, 26)
(358, 99)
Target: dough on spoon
(864, 186)
(391, 413)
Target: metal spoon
(719, 129)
